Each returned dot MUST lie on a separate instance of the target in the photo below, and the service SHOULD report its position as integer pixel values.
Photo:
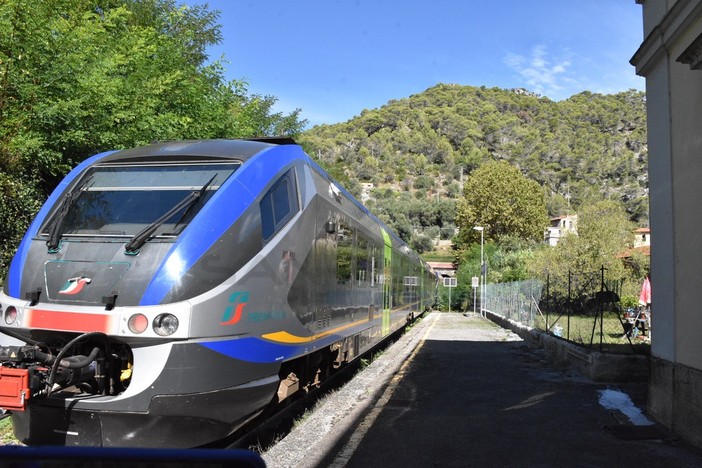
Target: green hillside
(417, 151)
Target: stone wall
(600, 367)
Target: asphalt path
(459, 391)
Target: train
(167, 294)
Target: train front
(109, 295)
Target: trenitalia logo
(74, 285)
(232, 314)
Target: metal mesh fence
(584, 309)
(518, 301)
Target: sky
(334, 58)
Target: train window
(344, 254)
(376, 265)
(278, 205)
(362, 261)
(121, 200)
(399, 272)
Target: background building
(559, 227)
(642, 237)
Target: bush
(448, 231)
(423, 182)
(432, 232)
(421, 243)
(21, 203)
(628, 301)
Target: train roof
(239, 149)
(200, 149)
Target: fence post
(570, 306)
(548, 296)
(602, 288)
(531, 303)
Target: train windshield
(127, 200)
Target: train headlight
(137, 323)
(10, 315)
(165, 324)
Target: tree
(17, 207)
(604, 234)
(421, 243)
(510, 259)
(499, 198)
(575, 149)
(82, 76)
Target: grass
(6, 435)
(581, 331)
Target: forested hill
(589, 145)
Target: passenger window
(281, 201)
(344, 254)
(278, 205)
(362, 262)
(376, 265)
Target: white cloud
(542, 73)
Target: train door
(422, 288)
(377, 283)
(387, 282)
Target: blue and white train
(167, 294)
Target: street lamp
(482, 268)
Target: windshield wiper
(139, 239)
(68, 200)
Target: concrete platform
(460, 391)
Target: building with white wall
(670, 58)
(642, 237)
(559, 227)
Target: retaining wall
(600, 367)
